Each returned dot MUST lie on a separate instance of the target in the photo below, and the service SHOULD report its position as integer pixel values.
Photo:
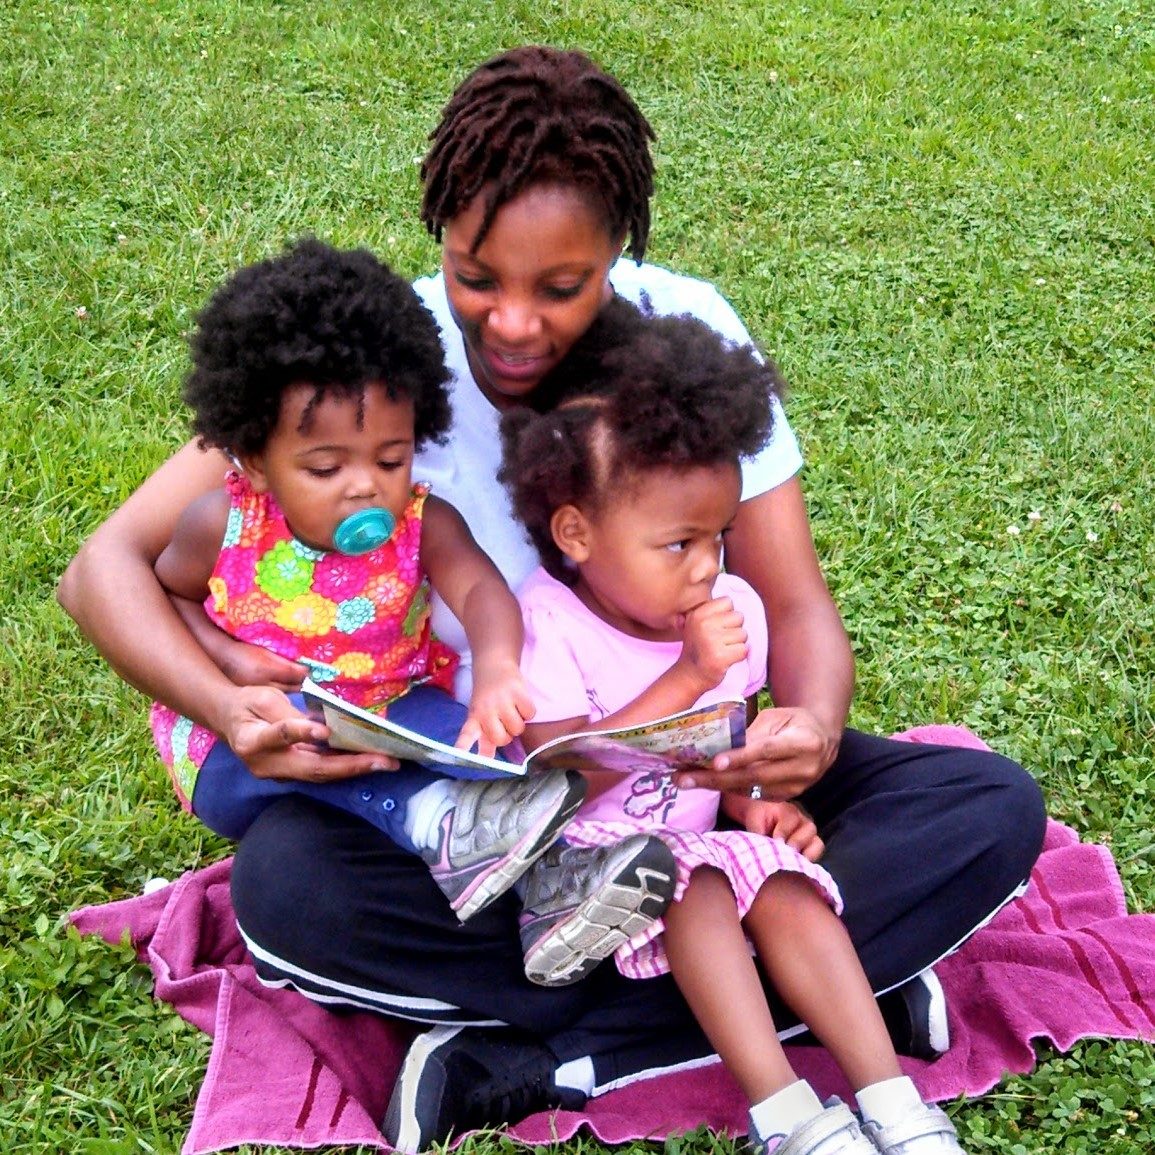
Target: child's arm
(186, 563)
(713, 639)
(183, 570)
(473, 588)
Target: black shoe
(456, 1079)
(915, 1016)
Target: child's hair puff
(336, 319)
(635, 393)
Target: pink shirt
(578, 665)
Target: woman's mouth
(514, 366)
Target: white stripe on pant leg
(329, 992)
(1018, 892)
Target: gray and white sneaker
(495, 832)
(835, 1131)
(926, 1132)
(581, 903)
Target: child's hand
(713, 639)
(498, 710)
(786, 821)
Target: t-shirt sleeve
(549, 666)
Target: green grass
(939, 218)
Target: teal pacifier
(364, 530)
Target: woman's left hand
(786, 751)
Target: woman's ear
(570, 529)
(253, 467)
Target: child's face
(333, 465)
(652, 555)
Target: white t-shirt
(463, 471)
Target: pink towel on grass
(1063, 962)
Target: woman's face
(531, 289)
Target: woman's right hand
(275, 740)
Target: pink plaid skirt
(747, 860)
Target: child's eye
(679, 546)
(390, 466)
(321, 470)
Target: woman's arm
(811, 668)
(111, 590)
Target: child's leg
(478, 837)
(710, 960)
(811, 963)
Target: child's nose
(362, 484)
(708, 565)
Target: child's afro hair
(337, 319)
(635, 393)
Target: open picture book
(679, 741)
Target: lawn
(938, 217)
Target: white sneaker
(582, 902)
(835, 1131)
(926, 1132)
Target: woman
(538, 176)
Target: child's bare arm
(473, 588)
(186, 563)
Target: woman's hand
(275, 740)
(786, 751)
(498, 710)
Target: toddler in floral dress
(319, 373)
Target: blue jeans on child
(228, 797)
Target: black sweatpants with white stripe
(925, 842)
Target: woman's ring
(756, 792)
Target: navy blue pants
(227, 797)
(925, 842)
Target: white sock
(425, 810)
(785, 1110)
(888, 1102)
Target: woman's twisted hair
(538, 115)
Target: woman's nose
(514, 321)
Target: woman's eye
(474, 284)
(563, 292)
